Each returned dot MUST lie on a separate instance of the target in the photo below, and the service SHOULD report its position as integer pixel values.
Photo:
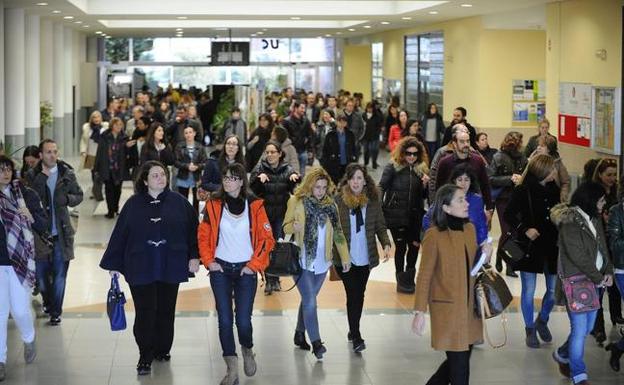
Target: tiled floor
(83, 350)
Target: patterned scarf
(316, 213)
(19, 237)
(113, 155)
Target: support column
(2, 114)
(68, 63)
(15, 81)
(58, 86)
(33, 135)
(46, 70)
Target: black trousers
(354, 282)
(154, 305)
(615, 308)
(455, 370)
(185, 191)
(112, 190)
(403, 238)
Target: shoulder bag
(515, 245)
(580, 292)
(115, 305)
(284, 260)
(492, 297)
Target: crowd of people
(303, 173)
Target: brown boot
(231, 377)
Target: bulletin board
(528, 102)
(575, 112)
(606, 120)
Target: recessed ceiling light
(179, 29)
(466, 5)
(385, 22)
(433, 12)
(253, 35)
(85, 26)
(264, 29)
(367, 26)
(78, 22)
(68, 17)
(259, 33)
(107, 37)
(295, 18)
(339, 33)
(351, 29)
(406, 18)
(98, 32)
(182, 17)
(56, 11)
(42, 4)
(328, 35)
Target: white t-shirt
(320, 265)
(358, 248)
(234, 237)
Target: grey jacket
(67, 193)
(238, 128)
(356, 125)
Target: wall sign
(575, 106)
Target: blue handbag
(115, 306)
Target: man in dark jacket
(462, 154)
(312, 111)
(300, 133)
(55, 183)
(355, 124)
(459, 117)
(175, 130)
(338, 150)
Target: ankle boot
(231, 377)
(616, 354)
(301, 341)
(404, 284)
(531, 338)
(249, 361)
(318, 349)
(542, 330)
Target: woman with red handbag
(583, 266)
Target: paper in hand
(478, 265)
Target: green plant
(45, 114)
(224, 110)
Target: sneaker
(358, 345)
(162, 357)
(318, 349)
(2, 371)
(54, 321)
(301, 341)
(30, 352)
(143, 368)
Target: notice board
(575, 111)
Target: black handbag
(284, 260)
(492, 297)
(514, 245)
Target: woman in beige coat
(445, 286)
(91, 131)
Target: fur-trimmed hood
(563, 213)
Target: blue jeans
(51, 278)
(244, 288)
(571, 352)
(432, 147)
(619, 281)
(303, 161)
(309, 286)
(528, 292)
(371, 151)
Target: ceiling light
(220, 29)
(56, 11)
(259, 33)
(433, 12)
(42, 4)
(78, 22)
(98, 32)
(367, 26)
(295, 18)
(385, 22)
(339, 33)
(85, 26)
(264, 29)
(68, 17)
(406, 18)
(179, 29)
(182, 17)
(253, 35)
(351, 29)
(328, 35)
(466, 5)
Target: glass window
(312, 50)
(270, 50)
(377, 75)
(424, 71)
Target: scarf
(95, 132)
(456, 223)
(355, 204)
(19, 237)
(235, 205)
(316, 213)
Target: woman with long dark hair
(373, 124)
(235, 239)
(156, 147)
(154, 246)
(190, 162)
(361, 217)
(433, 125)
(231, 153)
(394, 132)
(258, 139)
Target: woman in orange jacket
(235, 239)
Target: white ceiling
(277, 18)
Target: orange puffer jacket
(261, 235)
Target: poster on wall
(606, 121)
(528, 102)
(575, 112)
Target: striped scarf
(19, 237)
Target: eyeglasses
(7, 170)
(410, 153)
(231, 179)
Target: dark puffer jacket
(183, 159)
(402, 196)
(275, 191)
(504, 164)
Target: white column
(32, 100)
(2, 131)
(68, 80)
(58, 85)
(15, 81)
(46, 69)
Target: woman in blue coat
(463, 177)
(154, 246)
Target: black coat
(275, 191)
(254, 153)
(102, 167)
(153, 239)
(211, 177)
(67, 193)
(331, 153)
(402, 197)
(504, 164)
(543, 250)
(372, 126)
(300, 133)
(183, 159)
(165, 156)
(440, 129)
